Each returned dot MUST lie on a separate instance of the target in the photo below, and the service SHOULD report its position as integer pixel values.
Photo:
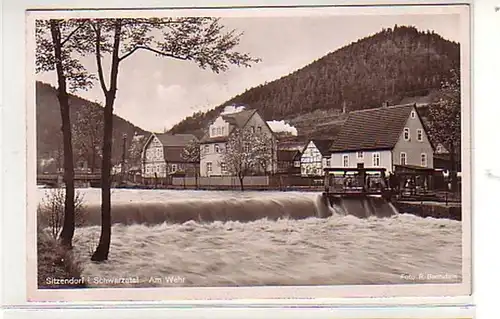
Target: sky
(155, 93)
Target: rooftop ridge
(383, 108)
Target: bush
(50, 211)
(56, 262)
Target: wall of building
(153, 159)
(209, 156)
(259, 125)
(365, 157)
(413, 148)
(212, 153)
(311, 161)
(219, 128)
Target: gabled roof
(323, 146)
(168, 139)
(173, 154)
(239, 119)
(236, 120)
(287, 155)
(372, 129)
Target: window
(259, 129)
(213, 131)
(327, 162)
(345, 160)
(219, 131)
(222, 130)
(360, 155)
(252, 129)
(207, 148)
(420, 135)
(223, 167)
(376, 159)
(217, 148)
(423, 160)
(406, 134)
(148, 169)
(402, 158)
(173, 168)
(413, 114)
(209, 167)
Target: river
(207, 238)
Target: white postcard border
(306, 293)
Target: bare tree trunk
(196, 176)
(68, 230)
(102, 250)
(241, 177)
(453, 168)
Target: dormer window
(406, 134)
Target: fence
(225, 181)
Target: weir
(362, 192)
(295, 206)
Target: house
(288, 161)
(162, 155)
(383, 137)
(315, 157)
(212, 145)
(445, 161)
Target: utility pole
(124, 154)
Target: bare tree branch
(156, 51)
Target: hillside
(393, 65)
(48, 121)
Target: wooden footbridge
(58, 179)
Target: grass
(56, 263)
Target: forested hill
(48, 122)
(391, 65)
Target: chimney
(385, 104)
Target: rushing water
(201, 238)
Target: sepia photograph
(240, 148)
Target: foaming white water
(333, 251)
(340, 249)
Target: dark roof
(287, 155)
(323, 146)
(292, 145)
(215, 139)
(239, 119)
(168, 139)
(372, 129)
(173, 154)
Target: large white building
(213, 144)
(383, 137)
